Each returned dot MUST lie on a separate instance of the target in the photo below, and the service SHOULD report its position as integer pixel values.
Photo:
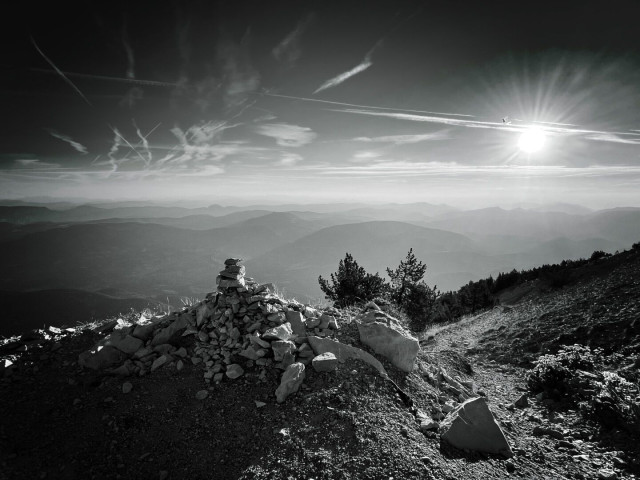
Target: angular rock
(522, 402)
(472, 426)
(325, 362)
(297, 322)
(159, 362)
(281, 332)
(173, 332)
(281, 348)
(232, 261)
(101, 358)
(250, 353)
(203, 313)
(234, 371)
(342, 352)
(144, 332)
(126, 344)
(387, 337)
(291, 380)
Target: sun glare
(531, 140)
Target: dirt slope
(60, 421)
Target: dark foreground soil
(59, 421)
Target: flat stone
(325, 362)
(203, 314)
(259, 404)
(281, 332)
(172, 333)
(296, 320)
(234, 371)
(343, 352)
(126, 344)
(233, 261)
(291, 380)
(472, 426)
(386, 336)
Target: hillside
(67, 421)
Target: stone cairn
(243, 325)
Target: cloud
(405, 139)
(287, 135)
(36, 163)
(77, 146)
(361, 67)
(365, 156)
(288, 51)
(599, 135)
(610, 137)
(289, 159)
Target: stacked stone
(243, 325)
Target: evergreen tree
(409, 273)
(352, 284)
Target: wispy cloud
(288, 159)
(288, 51)
(611, 137)
(405, 139)
(76, 145)
(287, 135)
(599, 135)
(372, 107)
(36, 163)
(361, 67)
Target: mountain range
(158, 254)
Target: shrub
(553, 373)
(351, 284)
(419, 303)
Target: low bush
(576, 374)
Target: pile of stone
(243, 325)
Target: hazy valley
(119, 255)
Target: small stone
(159, 362)
(606, 474)
(234, 371)
(427, 425)
(259, 404)
(325, 362)
(510, 465)
(127, 387)
(163, 475)
(202, 394)
(77, 401)
(290, 382)
(179, 365)
(522, 402)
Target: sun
(532, 140)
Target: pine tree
(351, 284)
(409, 273)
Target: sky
(237, 102)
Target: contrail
(305, 99)
(361, 67)
(60, 72)
(136, 81)
(118, 134)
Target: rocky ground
(61, 420)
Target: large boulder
(343, 352)
(472, 426)
(125, 343)
(101, 358)
(386, 336)
(172, 332)
(292, 378)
